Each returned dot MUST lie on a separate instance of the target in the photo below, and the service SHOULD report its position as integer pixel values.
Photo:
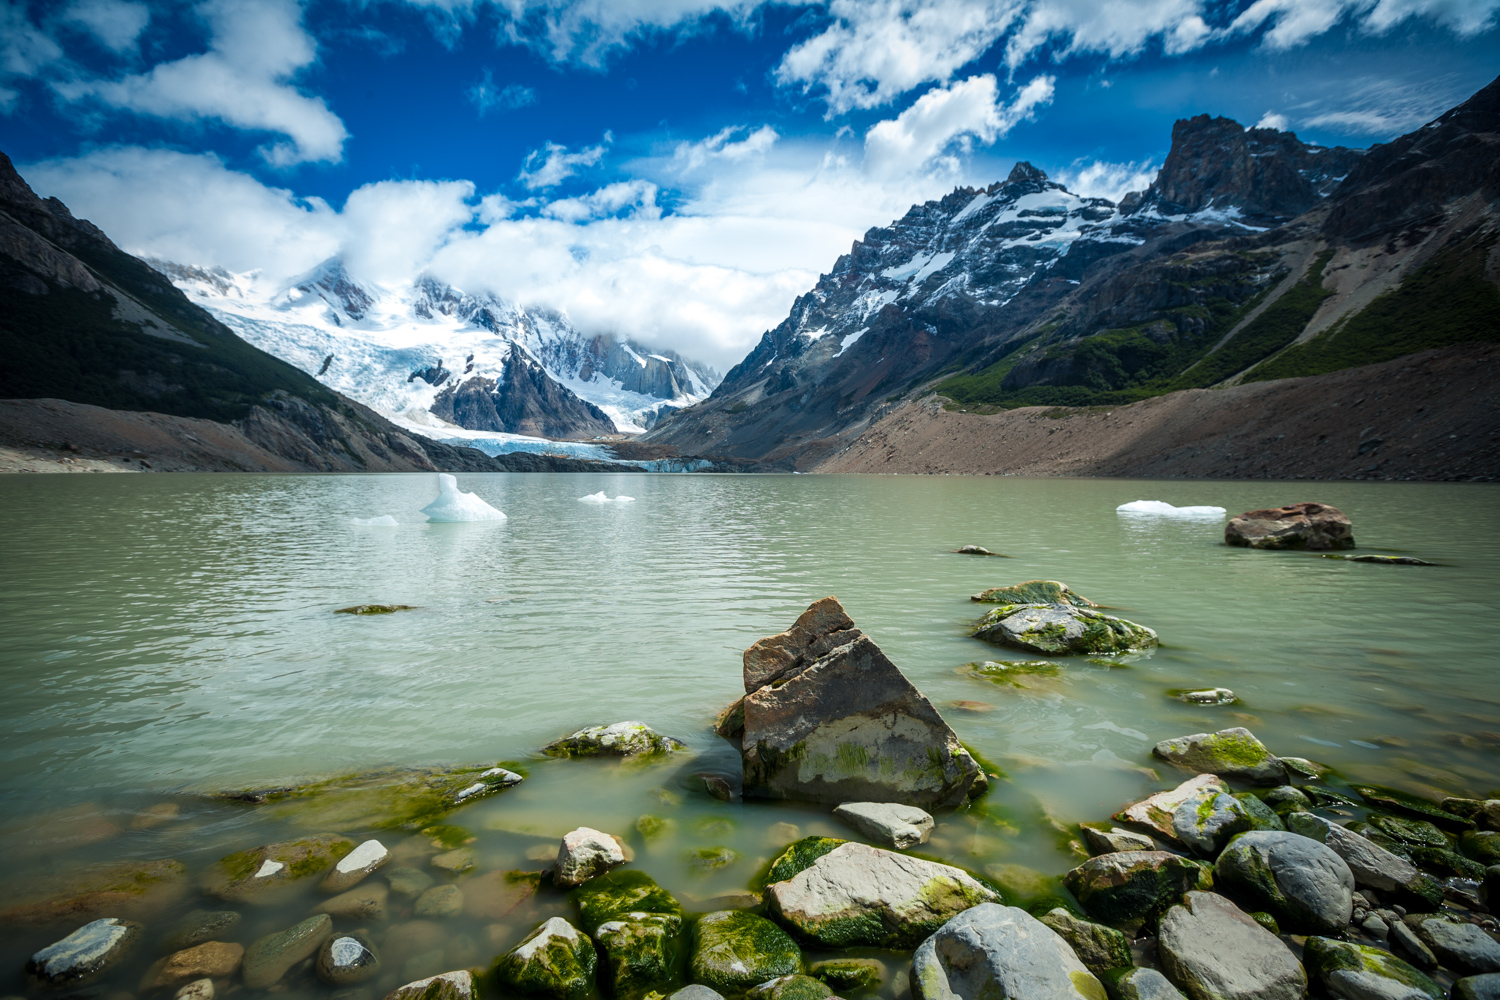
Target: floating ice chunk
(1160, 509)
(383, 521)
(600, 497)
(452, 504)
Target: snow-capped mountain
(451, 365)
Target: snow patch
(849, 339)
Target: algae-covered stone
(796, 987)
(1372, 865)
(1287, 799)
(1305, 885)
(860, 895)
(829, 718)
(346, 959)
(86, 953)
(799, 856)
(1059, 629)
(1034, 592)
(456, 985)
(1207, 820)
(1309, 769)
(136, 889)
(1158, 811)
(1212, 950)
(1411, 832)
(248, 876)
(734, 951)
(849, 975)
(1446, 864)
(1348, 971)
(995, 952)
(891, 823)
(374, 609)
(622, 739)
(1139, 984)
(1393, 800)
(1229, 753)
(354, 867)
(1262, 816)
(556, 961)
(1457, 943)
(614, 895)
(1097, 946)
(642, 954)
(1482, 846)
(1130, 889)
(198, 926)
(1013, 673)
(269, 958)
(1485, 987)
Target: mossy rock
(1267, 921)
(1411, 832)
(622, 739)
(1012, 673)
(619, 892)
(1132, 889)
(555, 961)
(1034, 592)
(797, 857)
(1060, 629)
(707, 859)
(1022, 885)
(1097, 946)
(129, 888)
(1482, 846)
(1285, 799)
(847, 976)
(735, 951)
(1394, 800)
(649, 826)
(643, 954)
(791, 988)
(409, 799)
(1325, 798)
(1262, 816)
(1446, 864)
(375, 609)
(1346, 969)
(249, 876)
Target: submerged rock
(976, 550)
(1060, 629)
(440, 901)
(1015, 673)
(828, 718)
(363, 902)
(409, 882)
(585, 853)
(126, 889)
(849, 975)
(248, 876)
(1207, 696)
(375, 609)
(556, 961)
(1097, 946)
(859, 895)
(346, 959)
(353, 867)
(1348, 971)
(734, 951)
(269, 958)
(1302, 883)
(90, 950)
(1397, 801)
(888, 822)
(198, 926)
(795, 987)
(992, 951)
(211, 960)
(1034, 592)
(1311, 526)
(1372, 865)
(641, 954)
(1229, 753)
(1130, 889)
(198, 989)
(623, 739)
(1212, 950)
(457, 985)
(1385, 560)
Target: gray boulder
(586, 852)
(1157, 812)
(1061, 629)
(734, 951)
(1372, 865)
(1229, 753)
(1302, 883)
(86, 953)
(1140, 984)
(1349, 971)
(1485, 987)
(891, 823)
(827, 717)
(1206, 820)
(269, 958)
(695, 991)
(992, 951)
(1316, 527)
(1457, 943)
(1212, 950)
(458, 985)
(1130, 889)
(346, 959)
(1114, 839)
(556, 961)
(1097, 946)
(860, 895)
(622, 739)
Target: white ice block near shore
(1160, 509)
(383, 521)
(452, 504)
(600, 497)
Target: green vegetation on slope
(1447, 300)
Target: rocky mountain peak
(1024, 172)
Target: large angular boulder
(1372, 865)
(1130, 889)
(1212, 950)
(1062, 629)
(991, 952)
(1316, 527)
(1229, 753)
(734, 951)
(586, 852)
(861, 895)
(1302, 883)
(555, 961)
(1349, 971)
(827, 717)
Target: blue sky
(673, 170)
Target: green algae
(1034, 592)
(618, 892)
(1326, 958)
(791, 988)
(849, 975)
(735, 951)
(557, 970)
(644, 954)
(797, 857)
(1397, 801)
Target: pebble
(460, 860)
(364, 902)
(409, 881)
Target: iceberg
(1160, 509)
(452, 504)
(600, 497)
(383, 521)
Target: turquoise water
(169, 635)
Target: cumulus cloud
(391, 229)
(1116, 28)
(552, 164)
(244, 80)
(115, 23)
(723, 146)
(950, 118)
(486, 97)
(1102, 179)
(1272, 120)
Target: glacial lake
(163, 636)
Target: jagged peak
(1024, 172)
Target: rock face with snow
(525, 400)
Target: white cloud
(24, 50)
(393, 228)
(244, 80)
(1296, 22)
(1272, 120)
(1101, 179)
(485, 96)
(588, 32)
(552, 164)
(877, 50)
(637, 195)
(722, 146)
(115, 23)
(1116, 28)
(954, 116)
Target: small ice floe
(452, 504)
(383, 521)
(601, 497)
(1160, 509)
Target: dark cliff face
(526, 401)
